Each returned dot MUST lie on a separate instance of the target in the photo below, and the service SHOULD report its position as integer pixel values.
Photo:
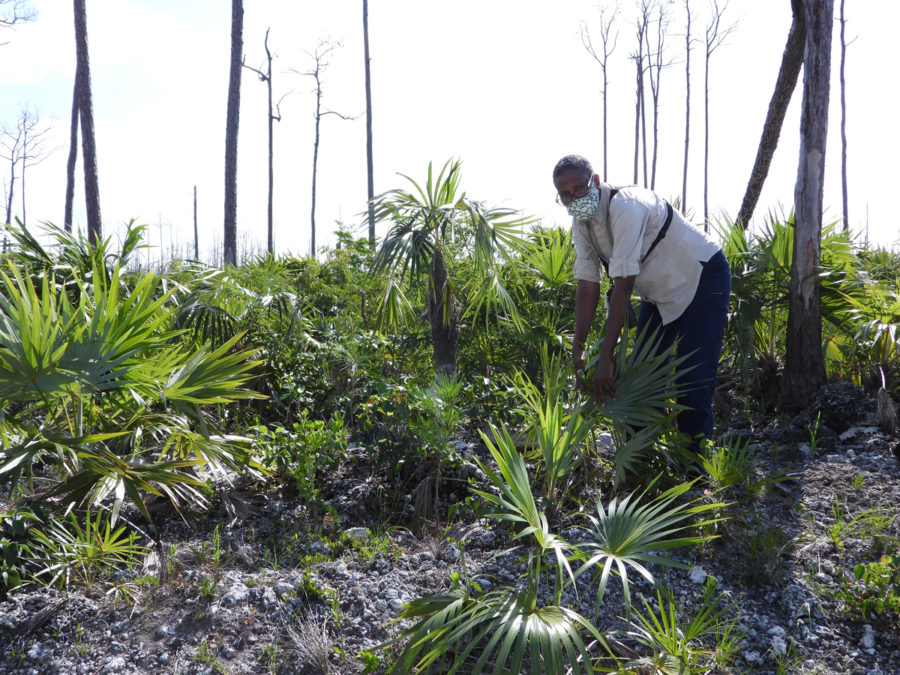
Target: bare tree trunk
(271, 117)
(315, 169)
(844, 121)
(24, 164)
(13, 160)
(320, 64)
(73, 158)
(602, 59)
(442, 317)
(715, 36)
(231, 133)
(640, 128)
(637, 118)
(33, 148)
(370, 174)
(270, 242)
(643, 124)
(654, 66)
(804, 368)
(791, 61)
(86, 112)
(706, 144)
(196, 234)
(687, 105)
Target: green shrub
(874, 590)
(14, 549)
(300, 454)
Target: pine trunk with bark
(86, 114)
(637, 120)
(804, 371)
(369, 164)
(687, 106)
(231, 133)
(12, 182)
(196, 233)
(315, 171)
(788, 73)
(442, 316)
(270, 239)
(72, 160)
(846, 210)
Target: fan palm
(627, 533)
(430, 223)
(507, 629)
(761, 270)
(102, 387)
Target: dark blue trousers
(699, 332)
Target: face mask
(584, 208)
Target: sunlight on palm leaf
(394, 309)
(627, 533)
(114, 389)
(675, 644)
(505, 629)
(558, 433)
(551, 257)
(646, 381)
(430, 225)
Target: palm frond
(630, 531)
(505, 629)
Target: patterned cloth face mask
(584, 208)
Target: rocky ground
(260, 584)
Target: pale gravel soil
(252, 613)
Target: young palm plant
(510, 629)
(629, 532)
(96, 382)
(557, 429)
(646, 381)
(675, 644)
(430, 224)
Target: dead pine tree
(196, 233)
(34, 148)
(788, 73)
(319, 66)
(15, 11)
(638, 59)
(804, 365)
(273, 115)
(72, 159)
(843, 80)
(232, 120)
(607, 18)
(86, 116)
(11, 151)
(655, 64)
(370, 173)
(716, 34)
(688, 45)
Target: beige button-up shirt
(622, 230)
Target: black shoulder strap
(662, 232)
(659, 235)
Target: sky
(506, 86)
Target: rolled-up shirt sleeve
(587, 258)
(628, 221)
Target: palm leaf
(628, 533)
(503, 627)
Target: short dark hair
(572, 162)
